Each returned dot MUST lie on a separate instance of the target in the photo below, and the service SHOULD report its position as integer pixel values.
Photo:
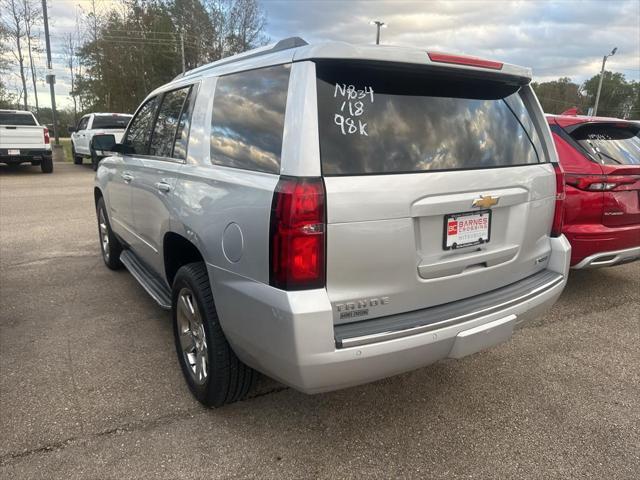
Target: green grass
(66, 146)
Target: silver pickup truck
(24, 140)
(334, 214)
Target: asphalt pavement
(90, 386)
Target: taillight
(464, 60)
(558, 214)
(297, 245)
(47, 140)
(599, 183)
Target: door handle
(127, 177)
(163, 187)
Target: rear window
(111, 121)
(247, 123)
(614, 144)
(383, 120)
(17, 119)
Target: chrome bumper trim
(393, 334)
(603, 259)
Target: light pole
(50, 77)
(378, 25)
(604, 60)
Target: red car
(601, 162)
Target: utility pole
(51, 78)
(604, 60)
(378, 25)
(182, 50)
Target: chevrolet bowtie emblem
(485, 201)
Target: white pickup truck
(95, 124)
(24, 140)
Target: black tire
(111, 252)
(228, 379)
(77, 159)
(95, 160)
(46, 165)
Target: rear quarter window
(376, 120)
(247, 123)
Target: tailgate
(615, 146)
(21, 136)
(436, 189)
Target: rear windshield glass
(382, 120)
(16, 119)
(111, 121)
(610, 143)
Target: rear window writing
(382, 120)
(610, 143)
(23, 119)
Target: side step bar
(150, 282)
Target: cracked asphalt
(90, 387)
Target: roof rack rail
(285, 44)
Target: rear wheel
(213, 373)
(109, 243)
(46, 164)
(95, 160)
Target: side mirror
(121, 148)
(102, 144)
(71, 129)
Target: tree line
(116, 56)
(618, 98)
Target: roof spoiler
(284, 44)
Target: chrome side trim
(392, 334)
(619, 256)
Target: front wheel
(109, 243)
(77, 159)
(213, 373)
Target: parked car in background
(91, 125)
(24, 140)
(601, 161)
(333, 214)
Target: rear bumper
(609, 259)
(592, 244)
(290, 336)
(26, 155)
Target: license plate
(14, 152)
(466, 229)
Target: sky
(555, 38)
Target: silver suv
(334, 214)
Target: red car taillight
(599, 183)
(558, 215)
(297, 244)
(47, 140)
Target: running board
(150, 282)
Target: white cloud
(555, 38)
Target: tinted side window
(248, 119)
(140, 128)
(83, 123)
(164, 131)
(182, 135)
